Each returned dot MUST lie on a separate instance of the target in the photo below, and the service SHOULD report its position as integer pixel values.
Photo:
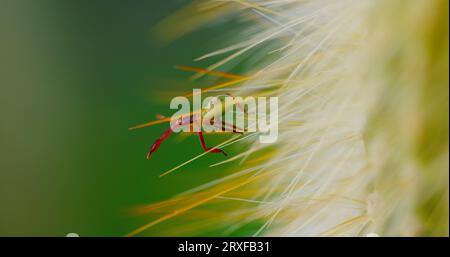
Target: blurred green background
(74, 76)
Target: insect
(189, 120)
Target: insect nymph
(212, 114)
(192, 119)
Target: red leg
(158, 142)
(210, 149)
